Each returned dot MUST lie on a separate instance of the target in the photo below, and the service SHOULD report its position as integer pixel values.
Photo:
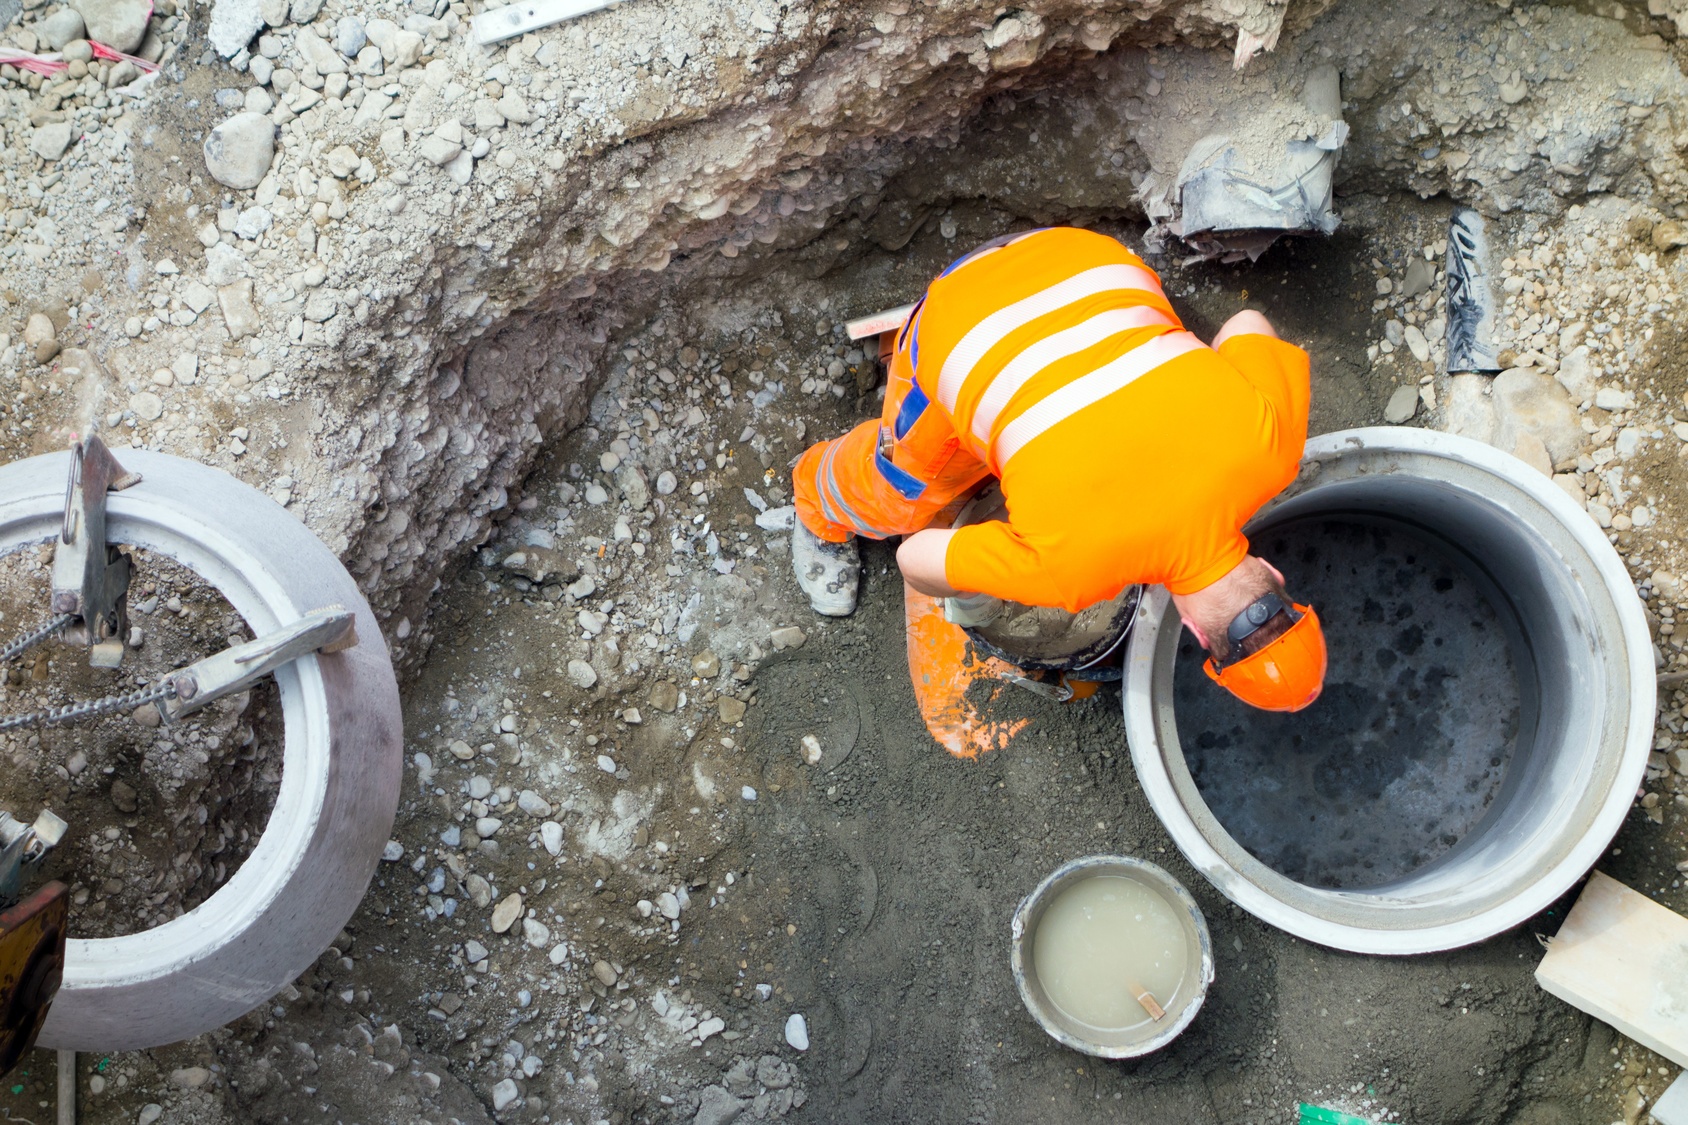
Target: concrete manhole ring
(341, 762)
(1585, 685)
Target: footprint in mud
(814, 699)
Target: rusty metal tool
(90, 576)
(329, 629)
(32, 935)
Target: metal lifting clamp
(90, 606)
(22, 844)
(330, 629)
(90, 576)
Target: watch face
(1255, 615)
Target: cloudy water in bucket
(1101, 937)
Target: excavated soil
(869, 893)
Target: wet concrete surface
(1402, 755)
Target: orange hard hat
(1286, 675)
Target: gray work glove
(972, 611)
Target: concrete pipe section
(341, 762)
(1485, 721)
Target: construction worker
(1128, 452)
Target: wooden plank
(888, 321)
(1623, 958)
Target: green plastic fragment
(1323, 1115)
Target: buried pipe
(1484, 726)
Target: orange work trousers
(890, 476)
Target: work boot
(828, 572)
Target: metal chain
(29, 640)
(91, 708)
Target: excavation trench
(474, 357)
(610, 643)
(671, 306)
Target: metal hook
(67, 530)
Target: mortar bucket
(1180, 1000)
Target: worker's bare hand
(1246, 323)
(921, 559)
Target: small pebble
(797, 1032)
(504, 915)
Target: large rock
(1577, 374)
(240, 315)
(1528, 402)
(120, 24)
(717, 1107)
(1403, 404)
(233, 24)
(1469, 413)
(60, 28)
(1522, 412)
(49, 141)
(238, 152)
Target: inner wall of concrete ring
(1570, 784)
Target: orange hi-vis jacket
(1128, 450)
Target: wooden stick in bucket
(1145, 998)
